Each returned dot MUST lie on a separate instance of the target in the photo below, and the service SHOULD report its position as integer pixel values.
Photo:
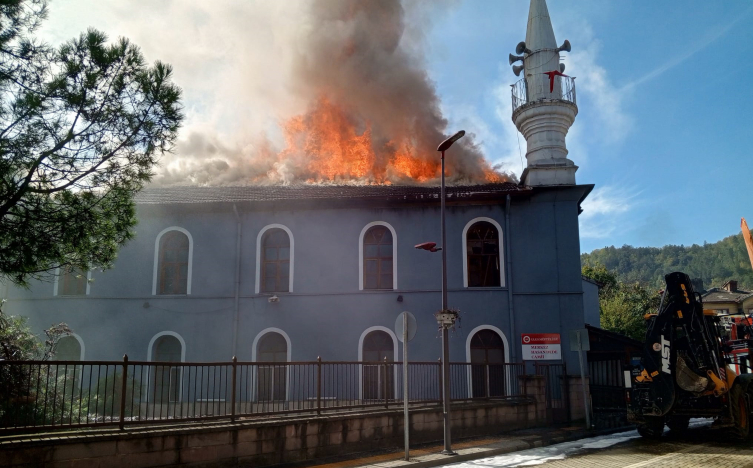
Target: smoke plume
(369, 112)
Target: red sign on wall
(541, 346)
(541, 338)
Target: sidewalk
(430, 455)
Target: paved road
(701, 447)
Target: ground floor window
(378, 378)
(166, 379)
(487, 364)
(272, 381)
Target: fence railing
(66, 394)
(529, 91)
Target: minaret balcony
(532, 90)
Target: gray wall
(326, 314)
(591, 303)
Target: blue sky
(664, 92)
(664, 128)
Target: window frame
(469, 338)
(82, 348)
(278, 263)
(156, 272)
(150, 354)
(291, 273)
(361, 254)
(395, 358)
(254, 358)
(150, 349)
(501, 248)
(57, 284)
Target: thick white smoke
(248, 67)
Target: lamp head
(448, 142)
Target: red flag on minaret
(552, 74)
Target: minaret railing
(563, 90)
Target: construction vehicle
(684, 370)
(740, 330)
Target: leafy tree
(623, 311)
(599, 273)
(713, 263)
(19, 343)
(20, 398)
(622, 306)
(81, 127)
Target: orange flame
(328, 145)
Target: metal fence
(66, 394)
(523, 92)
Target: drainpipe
(237, 281)
(513, 339)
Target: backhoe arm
(748, 240)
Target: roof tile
(261, 193)
(721, 295)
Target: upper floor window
(173, 270)
(275, 268)
(482, 255)
(378, 258)
(72, 282)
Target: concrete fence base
(577, 405)
(265, 442)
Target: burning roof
(370, 112)
(272, 193)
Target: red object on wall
(552, 74)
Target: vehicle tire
(678, 423)
(740, 411)
(651, 428)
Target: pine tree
(81, 127)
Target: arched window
(482, 255)
(378, 258)
(487, 364)
(377, 377)
(174, 247)
(166, 378)
(275, 267)
(68, 348)
(272, 348)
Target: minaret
(543, 102)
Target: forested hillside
(715, 263)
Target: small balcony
(537, 89)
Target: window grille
(482, 244)
(377, 258)
(275, 268)
(173, 263)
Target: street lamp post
(442, 319)
(445, 318)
